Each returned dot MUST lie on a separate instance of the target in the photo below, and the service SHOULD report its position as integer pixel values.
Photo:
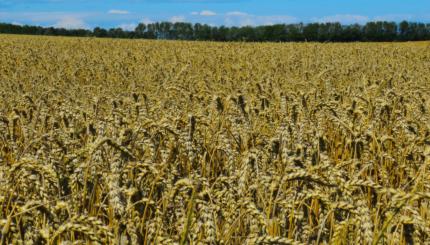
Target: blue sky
(128, 13)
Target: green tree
(100, 32)
(140, 30)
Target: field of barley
(164, 142)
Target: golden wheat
(160, 142)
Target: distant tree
(100, 32)
(427, 36)
(404, 30)
(220, 33)
(421, 31)
(295, 32)
(183, 31)
(166, 31)
(202, 32)
(140, 30)
(233, 34)
(321, 32)
(352, 33)
(49, 31)
(310, 32)
(151, 32)
(276, 32)
(336, 31)
(116, 33)
(373, 31)
(247, 33)
(389, 31)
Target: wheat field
(164, 142)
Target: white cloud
(276, 19)
(38, 17)
(17, 23)
(361, 19)
(118, 11)
(175, 19)
(204, 13)
(236, 13)
(237, 18)
(207, 13)
(343, 18)
(70, 22)
(128, 26)
(147, 21)
(393, 17)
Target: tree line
(313, 32)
